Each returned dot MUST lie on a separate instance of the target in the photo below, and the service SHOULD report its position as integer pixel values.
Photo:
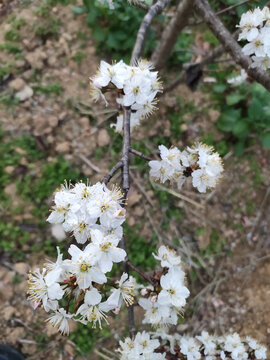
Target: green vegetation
(10, 48)
(105, 27)
(79, 57)
(85, 337)
(48, 89)
(25, 166)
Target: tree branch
(116, 167)
(224, 11)
(229, 43)
(153, 11)
(171, 33)
(140, 154)
(141, 273)
(125, 150)
(139, 5)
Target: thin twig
(230, 44)
(89, 163)
(153, 11)
(141, 273)
(176, 194)
(125, 189)
(140, 5)
(223, 11)
(140, 154)
(116, 167)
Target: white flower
(60, 320)
(262, 63)
(80, 225)
(209, 343)
(191, 348)
(83, 266)
(171, 156)
(136, 90)
(238, 80)
(233, 344)
(249, 25)
(117, 74)
(260, 352)
(173, 290)
(92, 313)
(256, 46)
(105, 250)
(161, 170)
(145, 344)
(124, 292)
(134, 121)
(167, 257)
(202, 181)
(43, 290)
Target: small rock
(10, 190)
(22, 268)
(29, 349)
(35, 58)
(69, 349)
(63, 147)
(58, 232)
(20, 63)
(9, 169)
(17, 84)
(52, 121)
(25, 93)
(41, 125)
(20, 151)
(84, 122)
(8, 312)
(103, 138)
(15, 334)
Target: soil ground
(231, 287)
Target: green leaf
(266, 140)
(78, 10)
(255, 111)
(241, 129)
(219, 88)
(239, 148)
(234, 98)
(227, 119)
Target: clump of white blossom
(255, 28)
(199, 161)
(93, 214)
(161, 345)
(135, 86)
(239, 79)
(164, 301)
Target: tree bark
(171, 33)
(229, 43)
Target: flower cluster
(83, 210)
(255, 28)
(160, 345)
(200, 162)
(239, 79)
(164, 301)
(137, 87)
(79, 283)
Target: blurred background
(51, 131)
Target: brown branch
(141, 273)
(125, 189)
(171, 33)
(224, 11)
(153, 11)
(139, 5)
(229, 43)
(140, 154)
(116, 167)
